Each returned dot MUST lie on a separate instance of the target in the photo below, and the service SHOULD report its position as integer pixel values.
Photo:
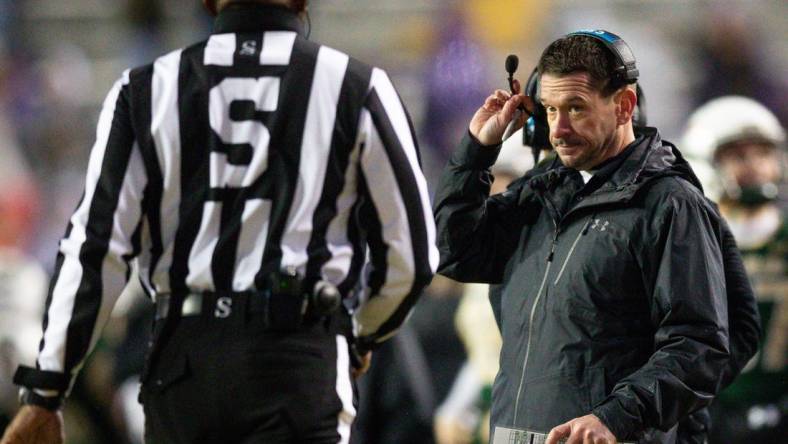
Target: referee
(269, 189)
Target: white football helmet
(729, 119)
(722, 121)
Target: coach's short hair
(580, 53)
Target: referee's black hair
(298, 6)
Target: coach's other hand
(584, 430)
(35, 425)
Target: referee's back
(219, 164)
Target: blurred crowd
(431, 382)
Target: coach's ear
(626, 100)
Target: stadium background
(58, 59)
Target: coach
(250, 175)
(613, 314)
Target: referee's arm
(93, 259)
(398, 220)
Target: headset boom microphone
(512, 62)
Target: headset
(536, 131)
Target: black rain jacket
(612, 302)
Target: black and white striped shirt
(238, 156)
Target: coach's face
(583, 123)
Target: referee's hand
(365, 361)
(35, 425)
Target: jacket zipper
(582, 232)
(531, 322)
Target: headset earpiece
(536, 133)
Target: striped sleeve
(93, 259)
(400, 226)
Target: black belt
(221, 305)
(280, 312)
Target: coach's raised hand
(490, 121)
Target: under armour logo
(248, 47)
(598, 225)
(223, 307)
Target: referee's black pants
(229, 380)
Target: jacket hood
(652, 158)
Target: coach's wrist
(472, 154)
(616, 419)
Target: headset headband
(626, 59)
